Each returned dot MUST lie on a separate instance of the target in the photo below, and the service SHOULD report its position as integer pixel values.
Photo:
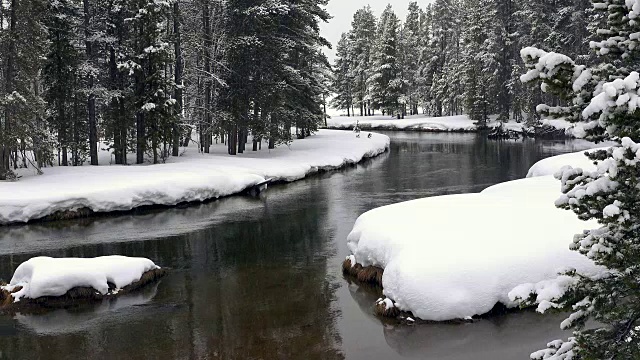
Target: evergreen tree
(384, 80)
(410, 54)
(603, 97)
(342, 83)
(61, 72)
(477, 61)
(22, 124)
(364, 36)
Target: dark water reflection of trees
(260, 279)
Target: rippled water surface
(261, 279)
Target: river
(261, 278)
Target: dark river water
(261, 278)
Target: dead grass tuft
(146, 278)
(381, 310)
(371, 275)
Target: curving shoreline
(549, 129)
(69, 193)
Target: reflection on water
(260, 278)
(512, 336)
(72, 320)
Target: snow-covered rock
(188, 178)
(45, 276)
(451, 257)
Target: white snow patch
(451, 257)
(45, 276)
(352, 259)
(190, 177)
(551, 165)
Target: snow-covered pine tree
(505, 54)
(117, 91)
(424, 76)
(604, 97)
(61, 80)
(342, 81)
(410, 53)
(364, 36)
(155, 114)
(384, 80)
(306, 86)
(89, 70)
(443, 47)
(476, 61)
(22, 125)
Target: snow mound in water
(551, 165)
(451, 257)
(45, 276)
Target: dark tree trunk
(140, 137)
(241, 143)
(207, 69)
(5, 143)
(177, 76)
(91, 99)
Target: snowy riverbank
(453, 257)
(191, 177)
(458, 123)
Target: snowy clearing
(45, 276)
(451, 257)
(191, 177)
(458, 123)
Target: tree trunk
(5, 135)
(241, 131)
(140, 137)
(177, 77)
(91, 98)
(207, 70)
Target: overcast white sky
(343, 10)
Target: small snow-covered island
(455, 257)
(45, 282)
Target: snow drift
(451, 257)
(550, 166)
(188, 178)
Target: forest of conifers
(140, 75)
(456, 56)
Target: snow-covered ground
(45, 276)
(190, 177)
(455, 256)
(458, 123)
